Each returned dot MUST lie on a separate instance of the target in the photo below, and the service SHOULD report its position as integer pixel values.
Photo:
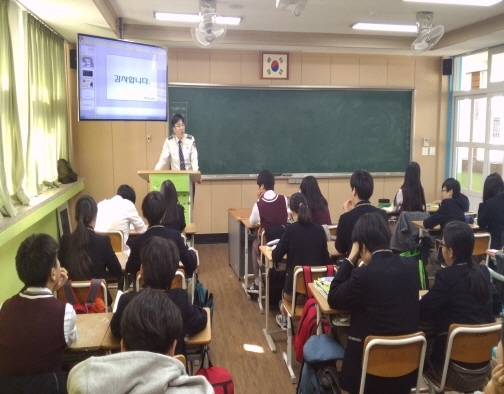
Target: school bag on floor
(218, 377)
(203, 298)
(92, 304)
(308, 323)
(318, 370)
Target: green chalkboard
(242, 131)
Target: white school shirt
(170, 153)
(255, 218)
(119, 213)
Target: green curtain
(48, 116)
(11, 150)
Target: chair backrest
(331, 231)
(299, 285)
(81, 289)
(116, 239)
(472, 343)
(393, 356)
(178, 281)
(181, 358)
(482, 242)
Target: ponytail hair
(299, 205)
(78, 261)
(460, 238)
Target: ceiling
(324, 26)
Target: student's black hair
(35, 258)
(77, 260)
(412, 190)
(176, 118)
(160, 259)
(171, 201)
(127, 192)
(493, 186)
(460, 238)
(371, 231)
(151, 322)
(362, 182)
(299, 205)
(267, 179)
(153, 207)
(311, 190)
(452, 184)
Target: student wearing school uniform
(410, 197)
(316, 201)
(35, 327)
(491, 210)
(362, 185)
(271, 213)
(174, 216)
(382, 296)
(451, 207)
(304, 242)
(160, 260)
(462, 293)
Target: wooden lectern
(183, 181)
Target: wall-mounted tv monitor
(121, 80)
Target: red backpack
(218, 377)
(92, 304)
(308, 323)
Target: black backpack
(318, 370)
(65, 172)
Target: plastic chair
(116, 239)
(482, 242)
(467, 344)
(331, 231)
(393, 356)
(294, 311)
(81, 289)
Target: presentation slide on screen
(131, 79)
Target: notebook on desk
(323, 285)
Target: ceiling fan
(209, 31)
(428, 35)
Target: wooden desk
(190, 231)
(203, 337)
(323, 306)
(110, 342)
(239, 229)
(419, 224)
(92, 329)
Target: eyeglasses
(180, 126)
(440, 243)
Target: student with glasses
(463, 294)
(179, 149)
(452, 208)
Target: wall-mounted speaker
(73, 59)
(447, 66)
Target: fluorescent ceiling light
(485, 3)
(385, 27)
(194, 18)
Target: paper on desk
(116, 302)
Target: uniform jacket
(449, 210)
(170, 153)
(491, 217)
(405, 237)
(383, 300)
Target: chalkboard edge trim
(210, 177)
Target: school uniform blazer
(491, 217)
(451, 209)
(100, 251)
(187, 257)
(304, 245)
(347, 222)
(383, 300)
(321, 217)
(450, 301)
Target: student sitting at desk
(35, 327)
(271, 212)
(491, 210)
(451, 208)
(119, 213)
(410, 197)
(462, 293)
(153, 209)
(160, 259)
(361, 184)
(382, 297)
(85, 254)
(304, 242)
(174, 217)
(316, 201)
(150, 327)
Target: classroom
(323, 52)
